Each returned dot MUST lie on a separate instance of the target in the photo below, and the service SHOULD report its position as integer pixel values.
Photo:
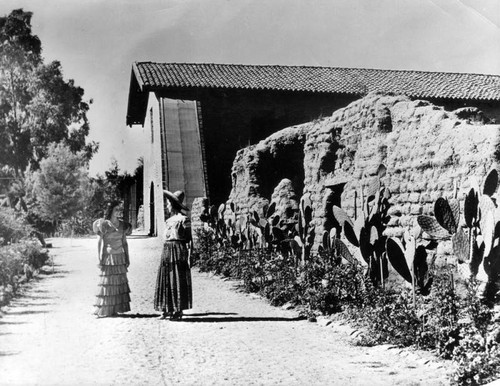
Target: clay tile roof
(415, 84)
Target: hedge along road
(49, 335)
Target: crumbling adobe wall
(257, 170)
(427, 151)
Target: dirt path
(49, 336)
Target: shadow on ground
(2, 322)
(36, 304)
(188, 319)
(54, 271)
(211, 313)
(137, 316)
(26, 312)
(6, 353)
(215, 317)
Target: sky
(97, 41)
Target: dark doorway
(152, 210)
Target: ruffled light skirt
(173, 284)
(113, 293)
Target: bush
(13, 226)
(387, 317)
(440, 317)
(16, 260)
(477, 359)
(476, 353)
(32, 254)
(11, 265)
(281, 286)
(77, 225)
(328, 284)
(211, 255)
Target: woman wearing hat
(173, 284)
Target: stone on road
(50, 336)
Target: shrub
(387, 317)
(476, 354)
(440, 316)
(206, 247)
(77, 225)
(211, 254)
(13, 226)
(251, 271)
(32, 254)
(327, 284)
(11, 266)
(16, 260)
(477, 359)
(281, 286)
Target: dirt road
(49, 336)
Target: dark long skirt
(173, 284)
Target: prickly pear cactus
(305, 229)
(367, 231)
(478, 243)
(335, 249)
(410, 261)
(446, 220)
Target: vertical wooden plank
(194, 175)
(184, 166)
(173, 146)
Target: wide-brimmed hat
(176, 198)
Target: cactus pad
(455, 209)
(372, 188)
(397, 258)
(365, 247)
(432, 228)
(343, 251)
(486, 206)
(461, 246)
(325, 241)
(381, 171)
(470, 208)
(444, 215)
(488, 230)
(491, 183)
(340, 215)
(350, 234)
(410, 246)
(269, 211)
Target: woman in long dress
(113, 295)
(173, 292)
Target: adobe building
(199, 115)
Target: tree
(61, 187)
(113, 185)
(37, 106)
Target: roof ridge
(416, 84)
(311, 67)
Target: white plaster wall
(152, 167)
